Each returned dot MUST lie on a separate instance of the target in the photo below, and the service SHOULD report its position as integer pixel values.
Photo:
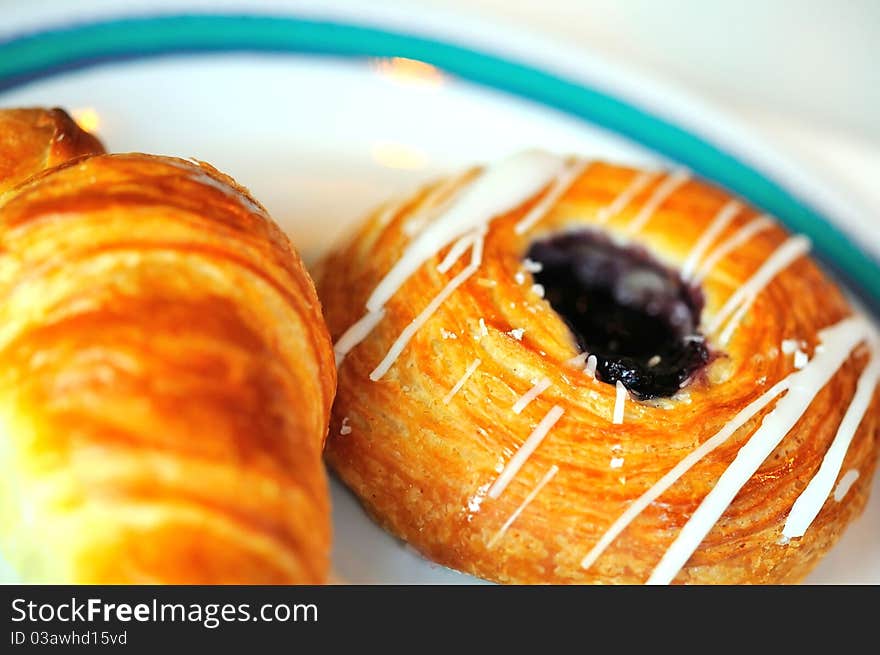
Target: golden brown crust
(422, 467)
(32, 140)
(166, 381)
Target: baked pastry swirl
(561, 371)
(166, 381)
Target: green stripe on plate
(39, 55)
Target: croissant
(553, 370)
(166, 375)
(32, 140)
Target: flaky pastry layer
(422, 467)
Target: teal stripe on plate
(39, 55)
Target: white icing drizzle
(434, 203)
(549, 475)
(789, 251)
(730, 244)
(671, 477)
(812, 498)
(562, 184)
(501, 188)
(355, 334)
(804, 385)
(410, 330)
(477, 197)
(464, 378)
(577, 361)
(619, 402)
(458, 249)
(638, 184)
(525, 451)
(592, 363)
(664, 190)
(540, 387)
(734, 321)
(845, 484)
(721, 220)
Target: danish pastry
(560, 371)
(166, 380)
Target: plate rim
(48, 52)
(620, 93)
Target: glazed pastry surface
(166, 382)
(494, 445)
(32, 140)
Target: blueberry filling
(637, 316)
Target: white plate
(321, 140)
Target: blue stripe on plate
(36, 56)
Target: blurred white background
(816, 60)
(803, 73)
(813, 60)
